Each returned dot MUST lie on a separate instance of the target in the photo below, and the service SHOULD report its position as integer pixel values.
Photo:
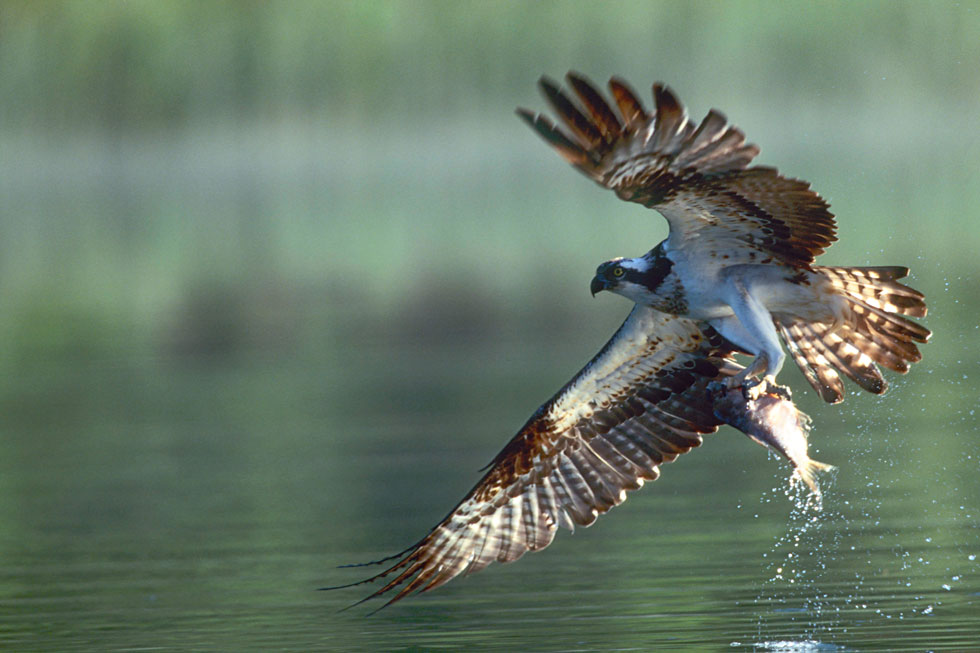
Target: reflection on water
(201, 506)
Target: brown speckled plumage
(643, 399)
(679, 169)
(724, 213)
(640, 403)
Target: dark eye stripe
(655, 275)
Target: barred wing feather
(695, 176)
(639, 403)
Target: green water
(156, 505)
(277, 279)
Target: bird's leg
(757, 321)
(756, 367)
(755, 389)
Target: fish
(772, 420)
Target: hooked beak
(597, 285)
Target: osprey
(736, 274)
(742, 242)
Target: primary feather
(738, 234)
(697, 177)
(724, 213)
(639, 403)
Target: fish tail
(807, 470)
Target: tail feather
(875, 331)
(878, 287)
(822, 377)
(841, 354)
(901, 346)
(887, 352)
(890, 323)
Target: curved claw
(766, 386)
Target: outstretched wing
(697, 177)
(639, 403)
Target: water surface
(152, 504)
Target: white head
(638, 279)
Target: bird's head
(620, 275)
(634, 278)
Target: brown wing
(639, 403)
(697, 177)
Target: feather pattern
(874, 331)
(643, 400)
(639, 403)
(697, 177)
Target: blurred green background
(261, 260)
(289, 164)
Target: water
(154, 504)
(269, 315)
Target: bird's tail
(874, 331)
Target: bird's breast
(700, 288)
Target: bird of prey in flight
(735, 275)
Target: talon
(755, 390)
(740, 380)
(781, 391)
(767, 386)
(716, 389)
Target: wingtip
(379, 561)
(616, 80)
(567, 148)
(575, 77)
(526, 115)
(664, 95)
(548, 85)
(358, 583)
(361, 602)
(629, 104)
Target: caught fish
(774, 421)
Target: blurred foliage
(144, 64)
(164, 160)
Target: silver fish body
(774, 421)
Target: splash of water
(897, 540)
(789, 646)
(795, 565)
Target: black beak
(597, 285)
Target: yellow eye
(618, 272)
